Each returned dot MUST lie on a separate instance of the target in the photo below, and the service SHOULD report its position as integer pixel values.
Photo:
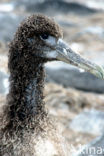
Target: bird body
(26, 129)
(37, 142)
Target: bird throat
(26, 96)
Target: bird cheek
(51, 54)
(30, 40)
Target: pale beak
(65, 54)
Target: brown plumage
(27, 129)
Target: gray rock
(89, 121)
(94, 30)
(68, 24)
(3, 83)
(95, 148)
(8, 25)
(72, 77)
(50, 6)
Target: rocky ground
(79, 112)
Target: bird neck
(26, 106)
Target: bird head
(40, 37)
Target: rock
(89, 121)
(93, 4)
(3, 83)
(6, 7)
(8, 25)
(59, 6)
(94, 148)
(94, 30)
(76, 100)
(68, 76)
(67, 24)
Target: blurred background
(74, 97)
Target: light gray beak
(65, 54)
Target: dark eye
(44, 36)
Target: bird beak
(65, 54)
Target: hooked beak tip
(100, 72)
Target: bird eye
(44, 36)
(48, 39)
